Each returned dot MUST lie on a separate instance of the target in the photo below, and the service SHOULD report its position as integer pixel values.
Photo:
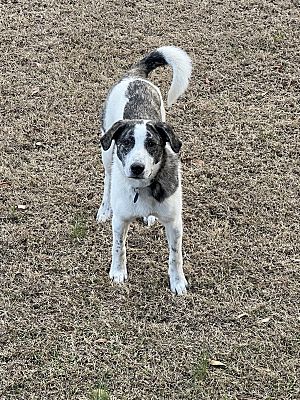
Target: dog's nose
(137, 168)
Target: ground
(66, 331)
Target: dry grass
(66, 332)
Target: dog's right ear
(112, 133)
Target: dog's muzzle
(137, 170)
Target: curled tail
(168, 55)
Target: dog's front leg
(118, 270)
(178, 282)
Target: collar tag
(136, 196)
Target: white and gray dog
(141, 160)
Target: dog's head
(140, 146)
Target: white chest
(123, 204)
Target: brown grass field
(66, 331)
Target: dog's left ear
(167, 133)
(112, 133)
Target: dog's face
(140, 146)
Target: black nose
(137, 168)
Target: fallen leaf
(200, 163)
(101, 340)
(263, 370)
(264, 320)
(242, 315)
(216, 363)
(21, 207)
(4, 183)
(35, 91)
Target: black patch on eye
(154, 144)
(125, 143)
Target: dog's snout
(137, 169)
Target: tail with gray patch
(167, 55)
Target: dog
(140, 153)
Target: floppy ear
(167, 133)
(111, 134)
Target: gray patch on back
(144, 102)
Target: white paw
(178, 284)
(150, 220)
(103, 213)
(118, 275)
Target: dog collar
(137, 191)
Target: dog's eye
(126, 142)
(151, 143)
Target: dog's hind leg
(178, 282)
(118, 270)
(104, 211)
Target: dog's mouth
(145, 176)
(139, 181)
(136, 177)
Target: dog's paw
(178, 284)
(118, 275)
(103, 214)
(149, 220)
